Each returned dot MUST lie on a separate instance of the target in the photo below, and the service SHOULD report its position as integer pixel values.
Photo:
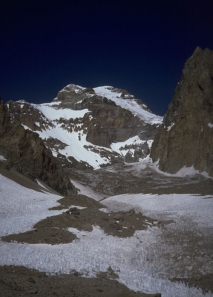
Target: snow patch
(52, 113)
(77, 206)
(76, 145)
(75, 88)
(26, 127)
(210, 125)
(42, 185)
(119, 147)
(87, 191)
(22, 101)
(150, 142)
(170, 127)
(185, 171)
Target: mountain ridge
(87, 127)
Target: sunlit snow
(170, 127)
(52, 113)
(21, 208)
(75, 145)
(2, 158)
(171, 206)
(119, 147)
(129, 104)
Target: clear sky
(140, 46)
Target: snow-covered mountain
(91, 127)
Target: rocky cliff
(186, 136)
(25, 152)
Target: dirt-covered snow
(143, 262)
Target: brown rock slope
(25, 152)
(186, 135)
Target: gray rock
(186, 136)
(26, 153)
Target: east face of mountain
(186, 135)
(91, 127)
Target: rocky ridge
(24, 152)
(186, 136)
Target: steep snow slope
(70, 142)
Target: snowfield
(21, 208)
(171, 206)
(144, 262)
(76, 142)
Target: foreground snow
(21, 208)
(197, 209)
(144, 262)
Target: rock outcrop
(25, 152)
(186, 136)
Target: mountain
(23, 151)
(149, 231)
(186, 136)
(89, 128)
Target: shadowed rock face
(25, 152)
(111, 123)
(186, 136)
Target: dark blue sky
(140, 46)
